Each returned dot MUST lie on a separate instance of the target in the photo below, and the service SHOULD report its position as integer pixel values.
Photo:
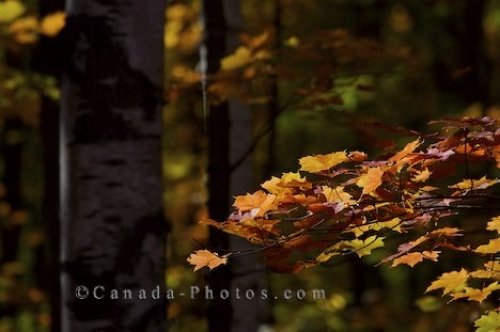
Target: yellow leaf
(241, 57)
(202, 258)
(371, 180)
(414, 258)
(393, 224)
(276, 186)
(494, 225)
(322, 162)
(10, 10)
(478, 294)
(53, 23)
(491, 271)
(294, 180)
(450, 281)
(365, 247)
(337, 195)
(329, 253)
(482, 183)
(492, 247)
(422, 176)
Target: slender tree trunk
(113, 228)
(273, 102)
(248, 272)
(47, 59)
(212, 50)
(477, 85)
(230, 134)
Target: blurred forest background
(300, 77)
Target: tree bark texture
(113, 228)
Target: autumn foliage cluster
(347, 203)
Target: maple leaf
(477, 294)
(274, 186)
(294, 180)
(365, 247)
(53, 23)
(482, 183)
(414, 258)
(337, 195)
(322, 162)
(491, 271)
(409, 148)
(422, 176)
(494, 224)
(371, 180)
(202, 258)
(489, 322)
(492, 247)
(257, 203)
(393, 224)
(450, 281)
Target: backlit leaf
(413, 258)
(494, 225)
(477, 294)
(450, 281)
(322, 162)
(371, 180)
(409, 148)
(202, 258)
(489, 322)
(492, 247)
(482, 183)
(365, 247)
(422, 176)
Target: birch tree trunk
(113, 228)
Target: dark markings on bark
(113, 223)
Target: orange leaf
(371, 180)
(259, 202)
(202, 258)
(409, 148)
(414, 258)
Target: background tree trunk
(212, 50)
(113, 228)
(47, 59)
(230, 135)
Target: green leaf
(488, 323)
